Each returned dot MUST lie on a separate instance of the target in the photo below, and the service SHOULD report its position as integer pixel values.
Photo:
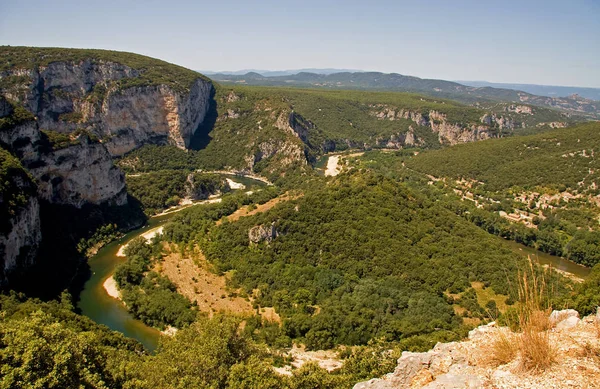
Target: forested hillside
(397, 249)
(150, 71)
(540, 190)
(269, 131)
(363, 258)
(561, 159)
(48, 345)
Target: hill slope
(563, 157)
(541, 90)
(437, 88)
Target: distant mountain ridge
(573, 104)
(541, 90)
(276, 73)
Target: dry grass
(533, 310)
(504, 349)
(249, 211)
(195, 281)
(537, 352)
(588, 350)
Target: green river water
(542, 258)
(95, 303)
(99, 306)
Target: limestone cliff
(20, 231)
(92, 94)
(79, 174)
(448, 132)
(19, 246)
(65, 113)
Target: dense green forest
(151, 297)
(46, 344)
(161, 189)
(359, 259)
(392, 254)
(557, 159)
(503, 170)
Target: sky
(528, 41)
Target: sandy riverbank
(110, 286)
(148, 235)
(235, 185)
(185, 204)
(332, 166)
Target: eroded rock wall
(65, 96)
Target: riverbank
(570, 269)
(239, 174)
(181, 207)
(146, 235)
(111, 288)
(98, 299)
(235, 185)
(335, 162)
(332, 169)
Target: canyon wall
(67, 119)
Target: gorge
(364, 223)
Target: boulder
(262, 233)
(569, 322)
(558, 316)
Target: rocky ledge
(471, 364)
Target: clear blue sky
(543, 42)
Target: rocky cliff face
(262, 233)
(66, 113)
(502, 122)
(106, 100)
(448, 133)
(127, 119)
(20, 228)
(19, 246)
(88, 94)
(80, 174)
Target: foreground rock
(469, 364)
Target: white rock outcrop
(469, 363)
(448, 132)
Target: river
(558, 263)
(96, 304)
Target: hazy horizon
(335, 70)
(532, 42)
